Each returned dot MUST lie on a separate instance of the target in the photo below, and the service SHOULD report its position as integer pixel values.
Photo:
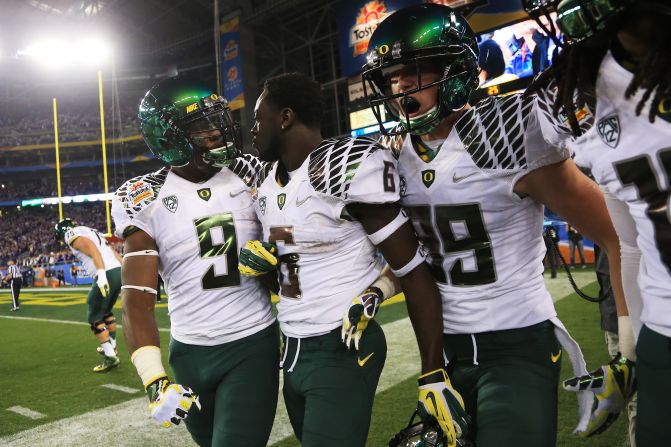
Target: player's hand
(257, 258)
(360, 312)
(170, 402)
(103, 285)
(438, 399)
(613, 386)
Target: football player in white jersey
(103, 264)
(325, 204)
(618, 52)
(188, 222)
(475, 180)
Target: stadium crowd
(28, 232)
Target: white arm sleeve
(630, 256)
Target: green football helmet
(425, 36)
(175, 111)
(62, 227)
(576, 19)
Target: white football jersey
(631, 158)
(106, 252)
(325, 256)
(199, 229)
(485, 241)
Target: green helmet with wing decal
(422, 36)
(175, 111)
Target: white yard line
(27, 412)
(49, 320)
(123, 389)
(128, 423)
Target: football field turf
(50, 396)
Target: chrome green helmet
(175, 111)
(62, 227)
(421, 36)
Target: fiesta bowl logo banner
(370, 15)
(356, 22)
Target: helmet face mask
(423, 433)
(542, 12)
(176, 114)
(420, 39)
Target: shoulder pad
(137, 193)
(334, 163)
(394, 143)
(493, 131)
(546, 98)
(249, 168)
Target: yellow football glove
(613, 386)
(257, 258)
(170, 402)
(360, 312)
(439, 400)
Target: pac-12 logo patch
(170, 203)
(262, 205)
(609, 130)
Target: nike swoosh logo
(555, 357)
(365, 359)
(300, 202)
(457, 179)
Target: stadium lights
(67, 199)
(59, 53)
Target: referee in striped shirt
(15, 280)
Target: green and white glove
(257, 258)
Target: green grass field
(51, 397)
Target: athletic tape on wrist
(383, 233)
(141, 289)
(414, 262)
(386, 286)
(147, 361)
(626, 342)
(141, 253)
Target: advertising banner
(232, 63)
(358, 19)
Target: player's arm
(390, 230)
(86, 246)
(568, 192)
(421, 293)
(170, 403)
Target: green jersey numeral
(441, 234)
(228, 247)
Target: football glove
(103, 285)
(360, 312)
(439, 400)
(257, 258)
(170, 402)
(613, 386)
